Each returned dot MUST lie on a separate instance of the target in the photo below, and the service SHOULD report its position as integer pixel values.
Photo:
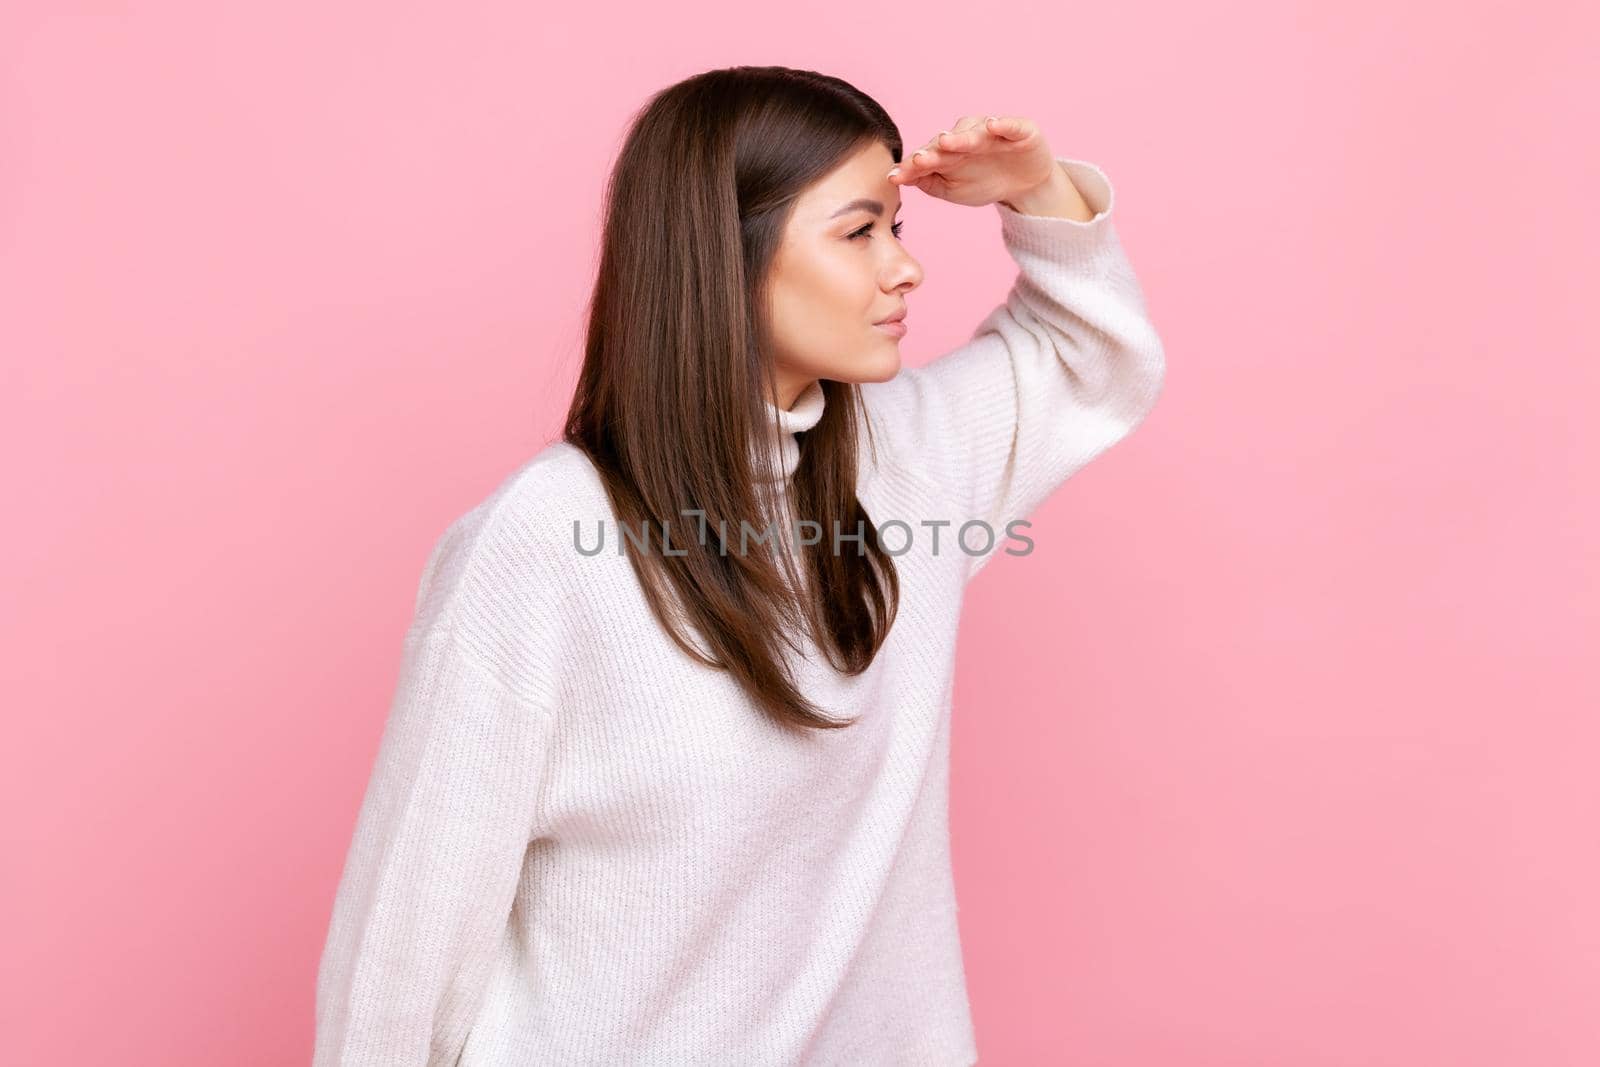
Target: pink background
(1279, 750)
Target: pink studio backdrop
(1280, 748)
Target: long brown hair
(670, 404)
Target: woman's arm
(1067, 366)
(440, 838)
(1054, 198)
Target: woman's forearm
(1056, 198)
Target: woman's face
(839, 271)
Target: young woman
(682, 800)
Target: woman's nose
(905, 272)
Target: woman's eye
(866, 231)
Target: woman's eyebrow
(860, 203)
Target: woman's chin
(879, 367)
(879, 363)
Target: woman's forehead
(859, 184)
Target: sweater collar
(782, 425)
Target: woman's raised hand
(979, 161)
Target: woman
(683, 799)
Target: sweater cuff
(1053, 237)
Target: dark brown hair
(670, 404)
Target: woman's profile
(665, 776)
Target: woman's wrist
(1055, 197)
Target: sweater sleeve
(1064, 368)
(438, 848)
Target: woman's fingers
(915, 166)
(981, 131)
(960, 140)
(1011, 128)
(969, 133)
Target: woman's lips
(896, 328)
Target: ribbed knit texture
(580, 846)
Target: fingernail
(893, 171)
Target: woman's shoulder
(557, 484)
(889, 450)
(510, 547)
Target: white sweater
(580, 846)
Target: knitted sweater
(578, 845)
